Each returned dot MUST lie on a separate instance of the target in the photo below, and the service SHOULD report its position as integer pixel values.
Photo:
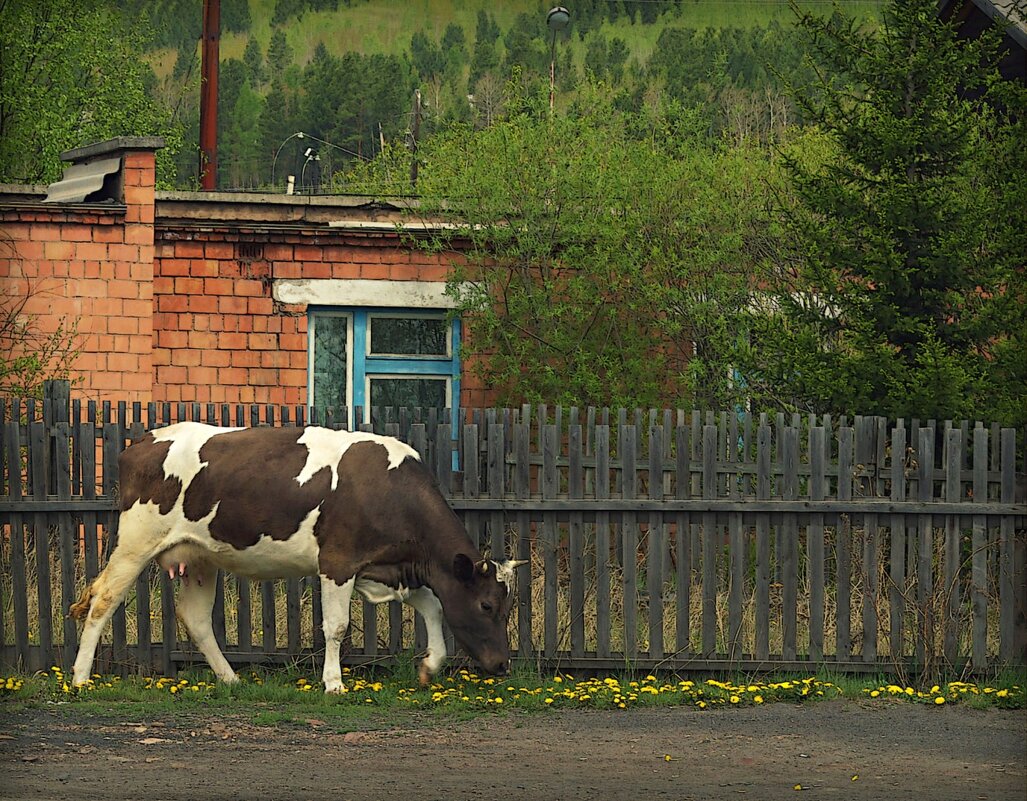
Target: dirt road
(837, 750)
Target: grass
(284, 697)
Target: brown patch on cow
(80, 609)
(251, 475)
(141, 467)
(101, 605)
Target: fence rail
(657, 539)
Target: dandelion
(939, 700)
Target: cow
(357, 509)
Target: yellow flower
(939, 700)
(734, 699)
(758, 699)
(874, 694)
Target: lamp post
(304, 135)
(311, 155)
(556, 20)
(274, 161)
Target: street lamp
(556, 20)
(304, 135)
(311, 155)
(274, 161)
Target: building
(232, 298)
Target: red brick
(139, 196)
(44, 232)
(345, 270)
(199, 375)
(288, 269)
(123, 362)
(260, 306)
(172, 303)
(215, 358)
(376, 271)
(265, 378)
(292, 378)
(307, 253)
(122, 289)
(203, 304)
(278, 252)
(292, 342)
(231, 375)
(139, 234)
(188, 286)
(140, 383)
(118, 252)
(249, 288)
(263, 341)
(76, 233)
(218, 286)
(163, 285)
(204, 268)
(189, 250)
(245, 358)
(161, 357)
(203, 340)
(171, 375)
(61, 251)
(172, 267)
(123, 325)
(219, 250)
(172, 339)
(142, 308)
(232, 305)
(228, 340)
(313, 269)
(185, 357)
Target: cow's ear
(463, 567)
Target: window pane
(410, 392)
(414, 336)
(330, 368)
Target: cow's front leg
(427, 603)
(335, 601)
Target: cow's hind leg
(427, 603)
(194, 606)
(107, 591)
(335, 601)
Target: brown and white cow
(357, 509)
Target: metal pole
(209, 95)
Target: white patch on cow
(325, 448)
(378, 593)
(183, 459)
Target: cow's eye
(486, 607)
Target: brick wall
(172, 292)
(91, 265)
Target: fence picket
(711, 488)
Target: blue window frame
(366, 357)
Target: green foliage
(907, 293)
(71, 76)
(607, 250)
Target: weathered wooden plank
(683, 543)
(656, 545)
(629, 539)
(243, 613)
(710, 535)
(576, 543)
(19, 585)
(925, 553)
(113, 443)
(292, 614)
(66, 538)
(815, 543)
(497, 489)
(39, 447)
(870, 588)
(843, 549)
(952, 557)
(1011, 563)
(979, 557)
(790, 546)
(522, 489)
(763, 567)
(550, 534)
(469, 461)
(602, 491)
(897, 550)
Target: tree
(905, 295)
(71, 73)
(253, 58)
(279, 54)
(610, 257)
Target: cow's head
(478, 608)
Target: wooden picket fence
(658, 539)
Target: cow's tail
(80, 609)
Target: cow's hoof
(424, 676)
(334, 689)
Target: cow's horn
(515, 563)
(483, 566)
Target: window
(367, 357)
